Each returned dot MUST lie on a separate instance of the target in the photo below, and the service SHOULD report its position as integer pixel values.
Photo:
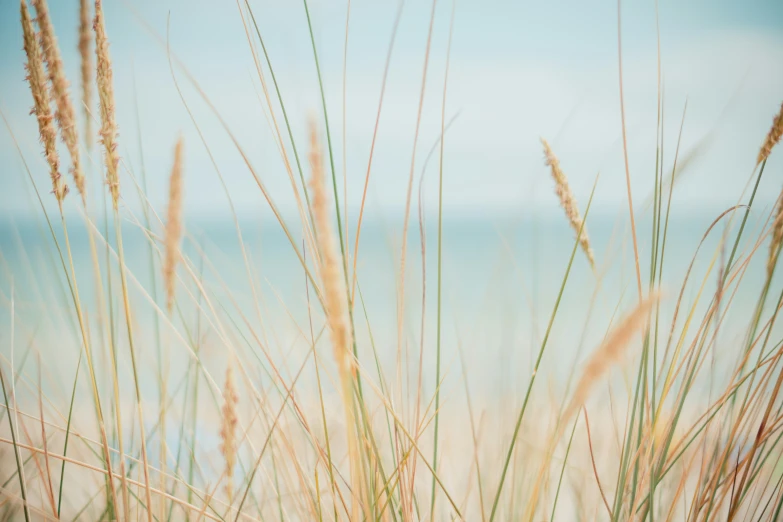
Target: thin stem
(129, 326)
(521, 415)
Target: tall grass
(369, 440)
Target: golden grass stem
(72, 284)
(129, 326)
(625, 152)
(112, 159)
(108, 132)
(48, 484)
(85, 465)
(90, 366)
(777, 238)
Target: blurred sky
(519, 70)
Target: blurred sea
(500, 280)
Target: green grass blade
(521, 415)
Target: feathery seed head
(228, 425)
(335, 305)
(773, 136)
(334, 291)
(608, 353)
(104, 76)
(173, 226)
(37, 80)
(65, 114)
(86, 67)
(568, 201)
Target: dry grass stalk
(108, 135)
(607, 354)
(658, 433)
(773, 137)
(173, 226)
(228, 425)
(567, 201)
(65, 114)
(86, 67)
(777, 237)
(37, 80)
(335, 300)
(105, 83)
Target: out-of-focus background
(515, 72)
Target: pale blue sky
(519, 70)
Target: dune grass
(234, 434)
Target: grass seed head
(773, 137)
(85, 39)
(41, 103)
(568, 201)
(333, 288)
(610, 351)
(105, 82)
(228, 426)
(65, 115)
(173, 237)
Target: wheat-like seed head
(334, 290)
(568, 201)
(86, 67)
(173, 226)
(335, 303)
(773, 136)
(607, 354)
(777, 237)
(105, 83)
(228, 425)
(37, 80)
(65, 114)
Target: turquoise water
(501, 277)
